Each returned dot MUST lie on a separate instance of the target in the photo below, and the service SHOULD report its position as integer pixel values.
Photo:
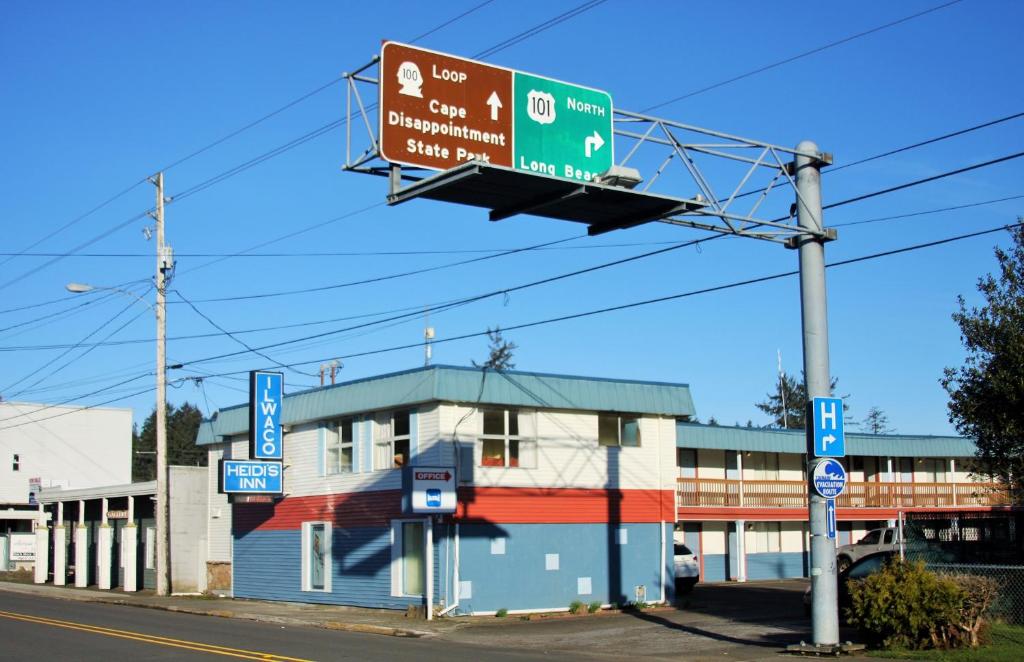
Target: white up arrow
(595, 141)
(495, 103)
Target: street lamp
(162, 495)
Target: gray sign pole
(824, 604)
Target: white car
(687, 568)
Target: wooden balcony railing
(793, 494)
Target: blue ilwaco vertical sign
(266, 440)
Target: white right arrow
(495, 103)
(595, 141)
(826, 441)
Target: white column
(42, 561)
(81, 549)
(429, 561)
(741, 550)
(129, 556)
(951, 478)
(103, 558)
(739, 473)
(60, 548)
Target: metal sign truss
(733, 176)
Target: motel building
(566, 488)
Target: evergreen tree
(986, 393)
(794, 394)
(182, 426)
(500, 352)
(876, 422)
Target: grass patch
(1007, 646)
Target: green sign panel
(561, 130)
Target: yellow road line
(153, 639)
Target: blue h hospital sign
(265, 436)
(826, 422)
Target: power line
(451, 20)
(819, 49)
(924, 213)
(377, 279)
(925, 180)
(234, 337)
(671, 297)
(70, 349)
(537, 29)
(954, 134)
(562, 318)
(74, 221)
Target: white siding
(74, 448)
(568, 454)
(714, 539)
(710, 463)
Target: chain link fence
(983, 544)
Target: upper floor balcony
(734, 493)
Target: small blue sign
(433, 498)
(829, 478)
(266, 440)
(827, 423)
(250, 477)
(830, 518)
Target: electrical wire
(671, 297)
(378, 279)
(236, 338)
(799, 56)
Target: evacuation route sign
(561, 130)
(829, 478)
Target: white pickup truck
(876, 540)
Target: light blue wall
(776, 565)
(267, 566)
(716, 568)
(518, 579)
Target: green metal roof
(467, 385)
(695, 435)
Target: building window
(339, 447)
(686, 461)
(16, 463)
(316, 556)
(615, 430)
(408, 569)
(764, 537)
(501, 444)
(150, 548)
(391, 444)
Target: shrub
(501, 613)
(575, 606)
(979, 594)
(906, 606)
(593, 607)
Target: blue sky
(97, 97)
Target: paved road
(39, 628)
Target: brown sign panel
(437, 111)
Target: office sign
(827, 436)
(250, 477)
(829, 478)
(429, 489)
(266, 439)
(438, 111)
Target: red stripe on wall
(352, 509)
(508, 505)
(514, 505)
